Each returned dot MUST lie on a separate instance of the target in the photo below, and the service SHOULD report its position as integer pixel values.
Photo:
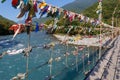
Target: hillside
(108, 8)
(4, 25)
(43, 20)
(75, 6)
(90, 8)
(79, 5)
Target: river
(11, 65)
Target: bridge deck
(108, 67)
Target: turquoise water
(11, 65)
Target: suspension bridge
(106, 66)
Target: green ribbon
(3, 1)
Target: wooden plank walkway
(108, 67)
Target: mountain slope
(4, 25)
(75, 6)
(108, 8)
(79, 5)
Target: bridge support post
(100, 20)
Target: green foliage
(82, 27)
(79, 5)
(108, 8)
(49, 21)
(61, 22)
(75, 23)
(2, 1)
(4, 25)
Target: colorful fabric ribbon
(44, 10)
(15, 3)
(42, 5)
(37, 27)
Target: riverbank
(83, 40)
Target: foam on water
(17, 63)
(1, 71)
(20, 45)
(4, 41)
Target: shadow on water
(7, 43)
(72, 73)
